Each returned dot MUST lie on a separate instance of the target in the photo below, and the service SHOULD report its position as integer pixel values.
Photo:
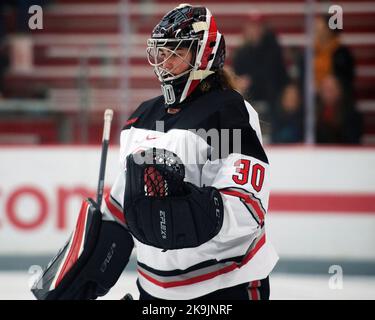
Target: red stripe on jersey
(254, 294)
(252, 252)
(72, 256)
(253, 202)
(254, 284)
(113, 209)
(253, 287)
(209, 275)
(131, 121)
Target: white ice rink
(15, 286)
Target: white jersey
(241, 251)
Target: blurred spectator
(288, 125)
(337, 119)
(4, 61)
(16, 45)
(334, 70)
(259, 64)
(331, 57)
(3, 67)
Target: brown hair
(223, 78)
(227, 79)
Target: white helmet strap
(200, 74)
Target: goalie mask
(188, 35)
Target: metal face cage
(160, 51)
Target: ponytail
(226, 78)
(222, 78)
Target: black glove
(161, 209)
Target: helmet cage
(159, 51)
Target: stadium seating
(79, 60)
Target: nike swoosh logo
(150, 138)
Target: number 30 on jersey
(244, 169)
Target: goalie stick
(82, 268)
(108, 114)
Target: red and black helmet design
(177, 24)
(193, 28)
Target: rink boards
(322, 203)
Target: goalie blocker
(90, 263)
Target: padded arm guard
(90, 263)
(161, 209)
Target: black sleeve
(140, 115)
(234, 115)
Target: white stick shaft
(108, 115)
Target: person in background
(4, 59)
(337, 120)
(331, 56)
(259, 62)
(288, 125)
